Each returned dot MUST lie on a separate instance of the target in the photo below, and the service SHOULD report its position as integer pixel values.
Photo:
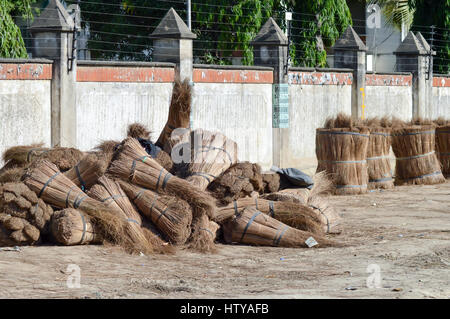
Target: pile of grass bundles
(170, 214)
(54, 188)
(378, 163)
(341, 152)
(292, 214)
(251, 226)
(133, 164)
(179, 113)
(63, 157)
(212, 153)
(16, 231)
(314, 199)
(17, 200)
(443, 148)
(239, 181)
(87, 171)
(73, 227)
(416, 161)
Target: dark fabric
(293, 178)
(150, 148)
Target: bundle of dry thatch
(87, 171)
(295, 215)
(416, 161)
(239, 181)
(443, 148)
(341, 152)
(212, 153)
(64, 158)
(179, 113)
(54, 188)
(17, 200)
(73, 227)
(378, 163)
(271, 182)
(253, 227)
(170, 214)
(132, 164)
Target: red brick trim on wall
(388, 80)
(320, 78)
(25, 71)
(232, 76)
(125, 74)
(441, 81)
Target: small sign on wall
(280, 104)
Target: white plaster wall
(243, 112)
(388, 100)
(25, 113)
(441, 102)
(105, 109)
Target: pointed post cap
(172, 27)
(424, 43)
(53, 18)
(413, 45)
(349, 40)
(270, 33)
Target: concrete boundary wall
(441, 96)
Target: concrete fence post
(173, 43)
(413, 55)
(270, 49)
(53, 33)
(350, 52)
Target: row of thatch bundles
(356, 154)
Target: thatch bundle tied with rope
(443, 148)
(378, 162)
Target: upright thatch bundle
(443, 148)
(133, 164)
(73, 227)
(64, 158)
(341, 152)
(378, 163)
(54, 188)
(16, 231)
(416, 161)
(171, 215)
(239, 181)
(314, 199)
(17, 200)
(251, 226)
(295, 215)
(212, 153)
(87, 171)
(179, 113)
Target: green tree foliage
(11, 41)
(317, 24)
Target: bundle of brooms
(253, 227)
(170, 214)
(416, 161)
(238, 181)
(133, 164)
(212, 153)
(443, 148)
(378, 163)
(87, 171)
(179, 113)
(55, 189)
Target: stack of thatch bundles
(416, 161)
(73, 227)
(87, 171)
(24, 217)
(212, 154)
(443, 148)
(170, 214)
(295, 215)
(239, 181)
(378, 163)
(54, 188)
(133, 164)
(251, 226)
(179, 114)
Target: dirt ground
(403, 233)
